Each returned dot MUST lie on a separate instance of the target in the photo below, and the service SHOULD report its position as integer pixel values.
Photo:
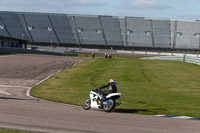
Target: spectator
(93, 55)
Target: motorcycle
(108, 104)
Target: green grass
(10, 131)
(148, 87)
(4, 54)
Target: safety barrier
(28, 51)
(63, 49)
(189, 59)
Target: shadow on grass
(141, 111)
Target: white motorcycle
(107, 105)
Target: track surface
(17, 111)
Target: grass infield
(147, 87)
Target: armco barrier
(176, 58)
(195, 60)
(63, 49)
(105, 50)
(27, 51)
(189, 59)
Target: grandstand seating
(111, 29)
(3, 31)
(172, 33)
(87, 28)
(123, 31)
(188, 35)
(62, 28)
(139, 32)
(40, 28)
(161, 33)
(12, 25)
(48, 28)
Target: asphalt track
(17, 111)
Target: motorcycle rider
(112, 88)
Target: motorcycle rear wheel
(87, 104)
(109, 106)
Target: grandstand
(20, 28)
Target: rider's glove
(96, 89)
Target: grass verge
(148, 87)
(5, 54)
(11, 131)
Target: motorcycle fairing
(116, 95)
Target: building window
(49, 28)
(179, 34)
(30, 27)
(148, 33)
(98, 30)
(197, 35)
(79, 29)
(1, 26)
(129, 32)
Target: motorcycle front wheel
(87, 104)
(109, 106)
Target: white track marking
(179, 117)
(8, 86)
(7, 56)
(182, 117)
(5, 93)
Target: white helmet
(111, 81)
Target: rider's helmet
(111, 81)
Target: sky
(167, 9)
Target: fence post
(184, 58)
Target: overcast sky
(170, 9)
